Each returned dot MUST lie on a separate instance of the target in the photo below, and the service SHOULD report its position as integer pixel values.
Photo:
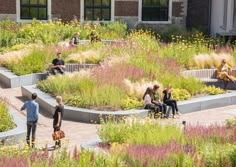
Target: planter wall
(10, 80)
(86, 115)
(15, 135)
(77, 114)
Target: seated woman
(156, 101)
(169, 101)
(147, 98)
(224, 72)
(75, 40)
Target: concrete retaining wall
(86, 115)
(10, 80)
(15, 135)
(77, 114)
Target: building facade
(133, 12)
(223, 18)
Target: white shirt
(147, 99)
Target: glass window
(30, 9)
(155, 10)
(97, 10)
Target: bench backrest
(78, 67)
(204, 73)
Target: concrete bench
(77, 67)
(208, 76)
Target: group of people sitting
(152, 101)
(75, 39)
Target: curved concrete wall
(77, 114)
(17, 134)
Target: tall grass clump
(135, 131)
(84, 92)
(36, 61)
(6, 121)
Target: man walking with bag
(32, 110)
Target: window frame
(100, 7)
(82, 13)
(37, 6)
(155, 22)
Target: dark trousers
(55, 71)
(162, 107)
(55, 128)
(151, 107)
(173, 105)
(31, 125)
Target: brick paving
(77, 133)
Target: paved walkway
(76, 133)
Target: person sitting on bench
(58, 65)
(224, 72)
(148, 98)
(156, 101)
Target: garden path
(77, 133)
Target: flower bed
(6, 122)
(12, 33)
(140, 143)
(129, 67)
(148, 143)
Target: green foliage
(137, 132)
(129, 103)
(231, 123)
(84, 92)
(12, 33)
(181, 94)
(212, 90)
(219, 154)
(36, 61)
(6, 121)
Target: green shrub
(135, 131)
(12, 33)
(212, 90)
(181, 94)
(6, 121)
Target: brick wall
(177, 9)
(7, 6)
(66, 9)
(126, 8)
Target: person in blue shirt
(32, 110)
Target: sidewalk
(77, 133)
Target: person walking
(32, 111)
(57, 118)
